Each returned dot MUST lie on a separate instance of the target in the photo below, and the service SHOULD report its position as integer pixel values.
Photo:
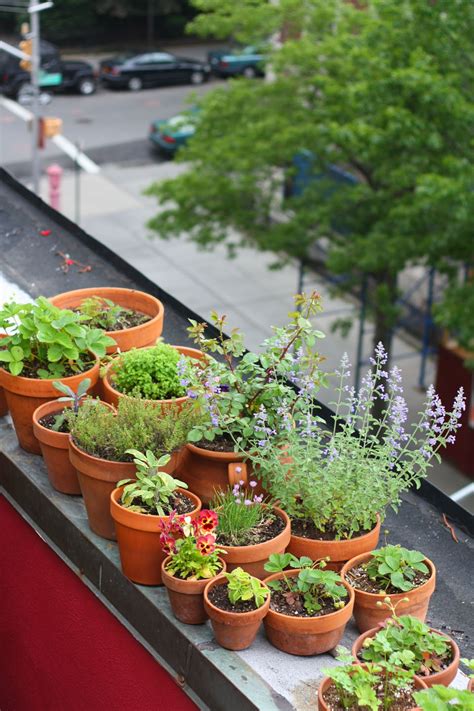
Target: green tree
(385, 93)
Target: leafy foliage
(74, 398)
(149, 373)
(105, 314)
(47, 342)
(442, 698)
(394, 566)
(191, 544)
(240, 513)
(241, 586)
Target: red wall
(60, 648)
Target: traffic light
(26, 46)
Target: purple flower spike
(253, 484)
(247, 502)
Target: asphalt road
(112, 126)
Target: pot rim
(202, 583)
(348, 541)
(61, 406)
(10, 379)
(224, 456)
(82, 453)
(393, 596)
(221, 580)
(261, 547)
(139, 517)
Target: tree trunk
(384, 297)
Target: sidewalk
(114, 210)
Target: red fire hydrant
(55, 173)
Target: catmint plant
(336, 480)
(233, 385)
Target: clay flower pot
(326, 683)
(3, 399)
(470, 686)
(444, 677)
(97, 479)
(113, 396)
(305, 636)
(186, 596)
(366, 612)
(233, 630)
(136, 337)
(138, 538)
(338, 551)
(24, 395)
(206, 472)
(253, 558)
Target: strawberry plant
(394, 566)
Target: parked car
(248, 62)
(170, 134)
(137, 71)
(75, 76)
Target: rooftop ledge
(260, 677)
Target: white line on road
(60, 141)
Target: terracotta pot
(206, 472)
(444, 677)
(3, 399)
(233, 630)
(137, 337)
(470, 686)
(138, 537)
(186, 596)
(113, 396)
(253, 558)
(24, 395)
(326, 683)
(366, 612)
(305, 636)
(338, 551)
(97, 479)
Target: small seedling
(71, 397)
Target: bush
(149, 373)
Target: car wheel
(86, 87)
(249, 73)
(197, 77)
(135, 84)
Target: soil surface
(181, 503)
(402, 699)
(219, 444)
(358, 578)
(292, 604)
(219, 597)
(126, 318)
(270, 528)
(306, 529)
(48, 421)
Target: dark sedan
(137, 71)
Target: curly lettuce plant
(150, 373)
(241, 587)
(232, 386)
(191, 545)
(44, 341)
(337, 480)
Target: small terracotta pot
(97, 479)
(207, 472)
(233, 630)
(138, 537)
(444, 677)
(305, 636)
(470, 686)
(3, 399)
(326, 683)
(338, 551)
(24, 395)
(186, 596)
(253, 558)
(113, 396)
(366, 612)
(137, 337)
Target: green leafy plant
(241, 514)
(44, 341)
(397, 567)
(241, 586)
(360, 687)
(233, 386)
(105, 314)
(311, 589)
(74, 398)
(191, 545)
(470, 664)
(137, 425)
(154, 490)
(442, 698)
(150, 373)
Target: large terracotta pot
(186, 596)
(24, 395)
(138, 537)
(253, 558)
(3, 399)
(366, 612)
(97, 479)
(444, 677)
(338, 551)
(113, 396)
(326, 683)
(233, 630)
(207, 472)
(305, 636)
(137, 337)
